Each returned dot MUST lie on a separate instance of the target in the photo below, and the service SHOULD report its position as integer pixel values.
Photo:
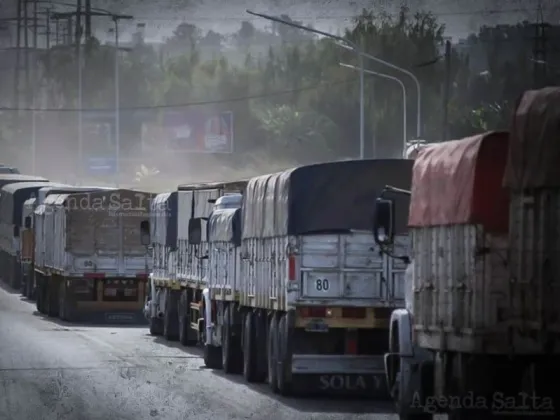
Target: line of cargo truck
(279, 277)
(480, 334)
(76, 250)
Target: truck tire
(283, 375)
(232, 358)
(272, 348)
(170, 327)
(40, 294)
(250, 367)
(23, 283)
(29, 286)
(156, 326)
(52, 299)
(212, 357)
(66, 310)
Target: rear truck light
(94, 275)
(351, 343)
(292, 268)
(359, 313)
(313, 312)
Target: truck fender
(159, 303)
(400, 333)
(415, 365)
(209, 326)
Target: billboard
(189, 130)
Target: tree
(290, 98)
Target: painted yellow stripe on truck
(375, 318)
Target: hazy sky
(460, 16)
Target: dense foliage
(291, 99)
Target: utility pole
(88, 21)
(56, 31)
(540, 47)
(35, 25)
(78, 34)
(34, 90)
(70, 30)
(18, 54)
(26, 52)
(48, 29)
(446, 91)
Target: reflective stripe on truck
(342, 317)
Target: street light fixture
(408, 73)
(403, 87)
(351, 46)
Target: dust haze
(56, 156)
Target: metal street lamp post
(116, 19)
(403, 87)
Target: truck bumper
(340, 375)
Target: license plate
(371, 385)
(317, 325)
(119, 317)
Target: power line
(334, 17)
(188, 104)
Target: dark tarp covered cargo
(224, 225)
(163, 219)
(226, 186)
(335, 196)
(65, 189)
(12, 198)
(8, 170)
(197, 196)
(6, 179)
(534, 148)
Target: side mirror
(27, 222)
(195, 231)
(384, 221)
(145, 233)
(16, 231)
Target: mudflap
(372, 386)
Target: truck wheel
(23, 284)
(272, 348)
(156, 326)
(29, 286)
(184, 330)
(250, 372)
(40, 295)
(212, 357)
(64, 303)
(52, 298)
(283, 368)
(170, 317)
(232, 359)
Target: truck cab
(408, 367)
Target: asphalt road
(51, 370)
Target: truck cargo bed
(103, 239)
(471, 295)
(331, 269)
